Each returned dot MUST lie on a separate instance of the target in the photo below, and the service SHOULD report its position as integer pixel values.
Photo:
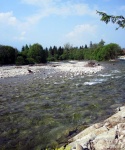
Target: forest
(35, 54)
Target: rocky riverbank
(106, 135)
(72, 68)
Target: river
(36, 113)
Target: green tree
(37, 53)
(90, 46)
(50, 54)
(67, 51)
(65, 55)
(55, 51)
(119, 20)
(101, 43)
(8, 54)
(51, 51)
(86, 46)
(46, 52)
(24, 53)
(78, 54)
(60, 52)
(110, 51)
(25, 50)
(20, 60)
(68, 46)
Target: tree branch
(120, 20)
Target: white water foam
(90, 83)
(116, 77)
(95, 81)
(115, 71)
(100, 80)
(62, 82)
(105, 75)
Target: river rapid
(38, 112)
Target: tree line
(31, 54)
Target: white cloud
(59, 8)
(8, 18)
(40, 3)
(81, 33)
(80, 30)
(22, 28)
(82, 9)
(11, 27)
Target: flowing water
(36, 113)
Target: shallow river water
(36, 113)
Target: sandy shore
(73, 68)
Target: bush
(110, 51)
(30, 61)
(50, 59)
(20, 60)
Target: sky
(57, 22)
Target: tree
(107, 52)
(67, 51)
(55, 52)
(90, 46)
(46, 51)
(20, 60)
(50, 54)
(24, 53)
(81, 47)
(68, 46)
(51, 51)
(8, 55)
(86, 46)
(37, 53)
(101, 43)
(120, 20)
(60, 52)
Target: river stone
(103, 144)
(79, 147)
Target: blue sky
(57, 22)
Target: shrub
(20, 60)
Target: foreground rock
(107, 135)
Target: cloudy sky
(57, 22)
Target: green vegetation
(8, 55)
(119, 20)
(37, 54)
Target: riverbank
(70, 68)
(106, 135)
